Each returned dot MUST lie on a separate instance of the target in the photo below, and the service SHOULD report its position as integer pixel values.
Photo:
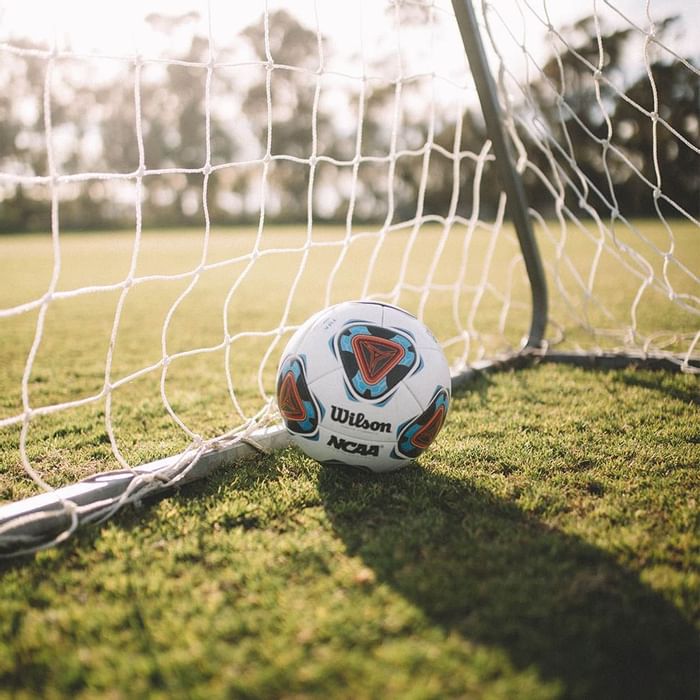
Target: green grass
(546, 547)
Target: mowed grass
(545, 547)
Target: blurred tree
(280, 111)
(678, 92)
(272, 109)
(22, 140)
(569, 111)
(579, 123)
(175, 112)
(471, 140)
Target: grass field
(546, 547)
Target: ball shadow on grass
(479, 566)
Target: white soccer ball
(363, 384)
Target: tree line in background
(94, 128)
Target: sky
(118, 27)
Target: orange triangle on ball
(427, 433)
(290, 402)
(376, 357)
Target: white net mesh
(231, 171)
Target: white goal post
(523, 176)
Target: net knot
(254, 444)
(70, 507)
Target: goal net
(179, 192)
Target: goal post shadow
(479, 567)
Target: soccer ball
(363, 384)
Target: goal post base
(46, 519)
(587, 360)
(611, 360)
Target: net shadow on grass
(654, 382)
(479, 566)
